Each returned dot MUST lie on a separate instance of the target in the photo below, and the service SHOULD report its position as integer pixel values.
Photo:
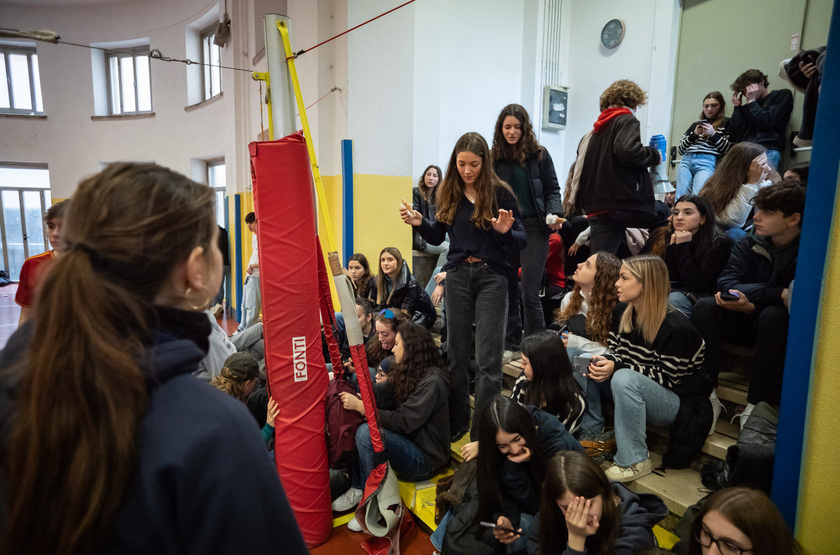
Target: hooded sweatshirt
(639, 513)
(204, 483)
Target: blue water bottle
(659, 173)
(659, 143)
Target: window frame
(220, 208)
(206, 37)
(35, 94)
(118, 54)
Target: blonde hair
(652, 273)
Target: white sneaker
(627, 474)
(507, 356)
(717, 406)
(347, 500)
(744, 415)
(354, 525)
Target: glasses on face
(388, 314)
(725, 546)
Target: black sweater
(687, 274)
(764, 121)
(467, 239)
(423, 418)
(615, 170)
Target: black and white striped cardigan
(677, 350)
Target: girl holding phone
(702, 145)
(479, 212)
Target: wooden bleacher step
(679, 489)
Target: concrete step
(679, 489)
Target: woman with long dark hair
(654, 372)
(526, 166)
(103, 426)
(478, 211)
(582, 511)
(423, 201)
(696, 252)
(396, 287)
(737, 179)
(740, 520)
(514, 444)
(546, 382)
(702, 145)
(413, 411)
(363, 281)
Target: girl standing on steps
(479, 212)
(654, 372)
(520, 161)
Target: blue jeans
(679, 301)
(251, 302)
(638, 399)
(441, 250)
(693, 172)
(773, 158)
(532, 261)
(407, 460)
(474, 294)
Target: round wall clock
(612, 33)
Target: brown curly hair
(420, 355)
(748, 78)
(527, 144)
(731, 173)
(623, 93)
(602, 300)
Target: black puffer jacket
(543, 179)
(760, 270)
(409, 296)
(428, 210)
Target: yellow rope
(316, 173)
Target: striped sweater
(676, 352)
(717, 145)
(572, 421)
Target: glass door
(23, 230)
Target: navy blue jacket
(760, 270)
(204, 482)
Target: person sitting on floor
(654, 373)
(35, 267)
(413, 412)
(237, 378)
(749, 308)
(221, 347)
(583, 512)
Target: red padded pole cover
(295, 368)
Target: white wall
(412, 82)
(646, 56)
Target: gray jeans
(474, 294)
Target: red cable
(348, 30)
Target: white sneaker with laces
(744, 415)
(717, 406)
(347, 500)
(354, 525)
(628, 474)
